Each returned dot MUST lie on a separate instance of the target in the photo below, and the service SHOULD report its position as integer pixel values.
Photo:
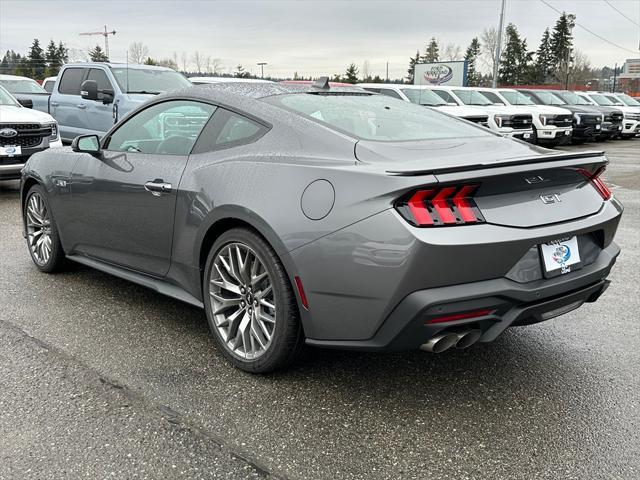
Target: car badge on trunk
(552, 198)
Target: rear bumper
(511, 304)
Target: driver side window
(169, 128)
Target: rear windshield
(377, 117)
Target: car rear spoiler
(597, 156)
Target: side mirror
(89, 90)
(87, 144)
(25, 102)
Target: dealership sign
(441, 73)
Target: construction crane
(105, 34)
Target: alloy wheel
(38, 224)
(243, 302)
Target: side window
(48, 86)
(228, 129)
(70, 81)
(390, 93)
(169, 128)
(100, 78)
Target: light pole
(571, 20)
(262, 64)
(496, 61)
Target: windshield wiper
(148, 92)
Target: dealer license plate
(560, 256)
(10, 151)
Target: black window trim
(225, 146)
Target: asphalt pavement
(100, 378)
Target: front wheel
(42, 233)
(250, 305)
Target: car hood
(11, 114)
(460, 111)
(420, 156)
(548, 109)
(582, 109)
(498, 109)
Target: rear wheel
(42, 233)
(251, 308)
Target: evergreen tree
(98, 55)
(412, 66)
(63, 53)
(543, 66)
(471, 56)
(241, 72)
(53, 60)
(351, 75)
(561, 44)
(514, 64)
(431, 52)
(36, 62)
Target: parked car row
(557, 117)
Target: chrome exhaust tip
(439, 343)
(467, 338)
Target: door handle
(81, 105)
(54, 104)
(157, 187)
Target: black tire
(287, 340)
(56, 259)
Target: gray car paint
(358, 262)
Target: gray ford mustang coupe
(327, 216)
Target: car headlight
(544, 118)
(578, 118)
(499, 119)
(54, 130)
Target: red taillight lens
(597, 182)
(451, 205)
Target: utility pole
(496, 63)
(262, 64)
(615, 72)
(571, 18)
(387, 77)
(105, 34)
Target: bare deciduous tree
(366, 70)
(452, 52)
(184, 60)
(489, 42)
(198, 59)
(138, 52)
(580, 69)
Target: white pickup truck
(23, 132)
(425, 97)
(551, 125)
(508, 121)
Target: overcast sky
(311, 37)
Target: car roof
(13, 77)
(117, 65)
(213, 79)
(261, 90)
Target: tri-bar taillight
(597, 182)
(441, 206)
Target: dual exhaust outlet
(448, 339)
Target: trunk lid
(519, 185)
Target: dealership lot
(135, 378)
